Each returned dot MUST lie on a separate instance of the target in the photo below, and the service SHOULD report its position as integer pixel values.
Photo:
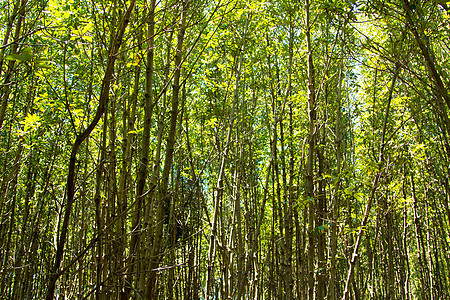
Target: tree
(224, 149)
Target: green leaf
(43, 66)
(16, 57)
(31, 121)
(348, 191)
(27, 53)
(43, 63)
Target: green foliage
(27, 55)
(51, 94)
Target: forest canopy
(226, 149)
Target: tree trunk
(219, 188)
(163, 188)
(309, 180)
(143, 160)
(103, 102)
(6, 87)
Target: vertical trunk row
(378, 176)
(332, 290)
(218, 195)
(155, 257)
(421, 256)
(309, 180)
(19, 12)
(14, 208)
(98, 206)
(128, 127)
(289, 190)
(103, 101)
(143, 159)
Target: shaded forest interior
(226, 149)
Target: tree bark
(163, 189)
(378, 175)
(309, 180)
(219, 187)
(6, 87)
(144, 158)
(70, 185)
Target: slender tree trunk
(6, 87)
(332, 293)
(98, 207)
(129, 117)
(288, 187)
(390, 250)
(144, 159)
(422, 42)
(163, 189)
(11, 192)
(421, 256)
(219, 188)
(19, 4)
(103, 102)
(309, 180)
(320, 223)
(381, 161)
(149, 210)
(406, 287)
